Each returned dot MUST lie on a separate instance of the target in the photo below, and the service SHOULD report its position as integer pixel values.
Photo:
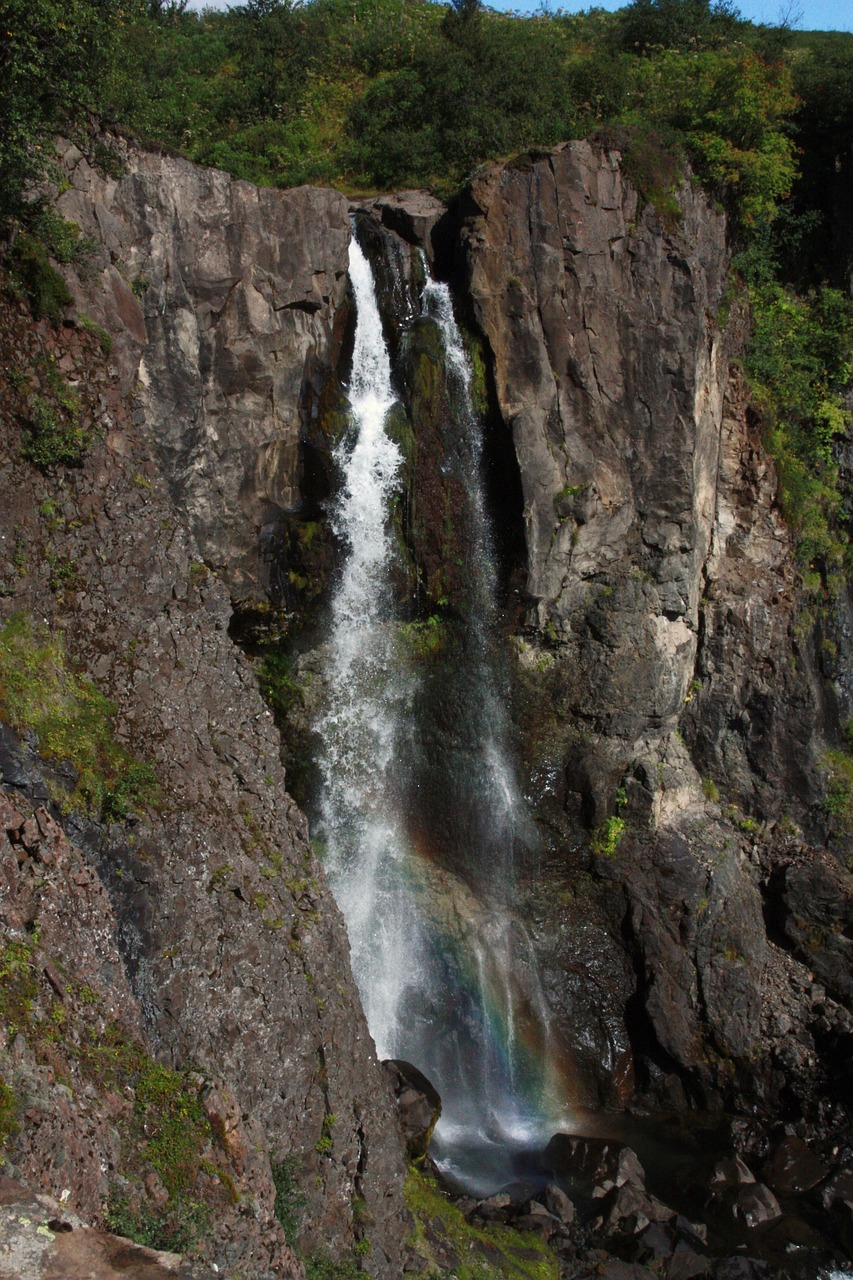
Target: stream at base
(447, 973)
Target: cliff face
(660, 669)
(234, 948)
(239, 291)
(669, 705)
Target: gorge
(553, 698)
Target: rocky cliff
(671, 711)
(232, 945)
(672, 702)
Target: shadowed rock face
(238, 289)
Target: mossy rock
(485, 1252)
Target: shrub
(290, 1199)
(30, 269)
(605, 840)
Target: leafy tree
(54, 58)
(732, 108)
(646, 25)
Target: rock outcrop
(660, 666)
(230, 301)
(231, 942)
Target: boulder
(756, 1205)
(418, 1105)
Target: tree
(677, 24)
(54, 57)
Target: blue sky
(808, 15)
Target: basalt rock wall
(233, 297)
(231, 943)
(671, 706)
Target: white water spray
(447, 976)
(369, 694)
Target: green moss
(8, 1115)
(484, 1252)
(41, 691)
(18, 987)
(87, 323)
(290, 1199)
(424, 639)
(322, 1266)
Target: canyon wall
(672, 712)
(233, 946)
(671, 706)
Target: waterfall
(371, 689)
(446, 972)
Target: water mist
(447, 975)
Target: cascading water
(447, 974)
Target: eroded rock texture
(232, 944)
(236, 291)
(661, 667)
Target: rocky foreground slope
(673, 699)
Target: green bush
(30, 270)
(53, 435)
(799, 363)
(605, 840)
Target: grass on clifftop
(41, 691)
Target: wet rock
(559, 1204)
(418, 1105)
(756, 1204)
(413, 215)
(731, 1172)
(740, 1269)
(495, 1208)
(631, 1208)
(685, 1263)
(536, 1217)
(793, 1168)
(593, 1161)
(839, 1187)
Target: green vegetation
(485, 1253)
(321, 1266)
(799, 364)
(40, 691)
(837, 765)
(424, 638)
(167, 1134)
(605, 840)
(8, 1116)
(164, 1131)
(290, 1199)
(383, 93)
